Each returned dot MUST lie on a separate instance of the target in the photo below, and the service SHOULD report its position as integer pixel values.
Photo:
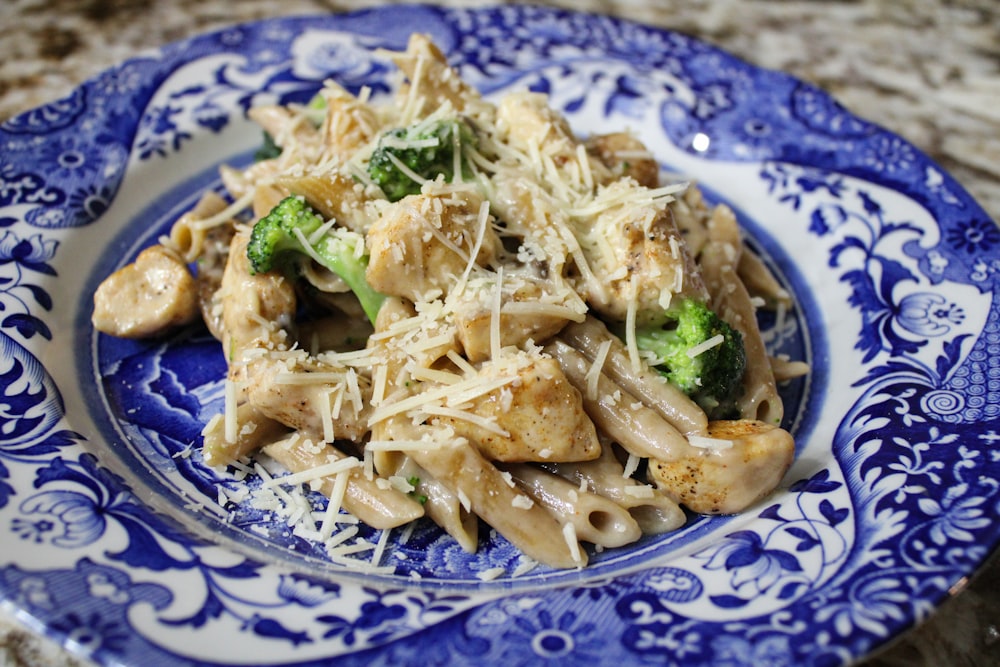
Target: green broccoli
(292, 229)
(711, 373)
(427, 150)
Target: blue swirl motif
(97, 629)
(266, 76)
(77, 505)
(57, 115)
(31, 408)
(922, 481)
(80, 503)
(902, 307)
(25, 261)
(919, 446)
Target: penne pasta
(532, 529)
(621, 416)
(654, 512)
(759, 399)
(483, 307)
(252, 430)
(441, 504)
(377, 506)
(335, 196)
(187, 235)
(595, 518)
(646, 384)
(760, 282)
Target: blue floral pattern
(120, 539)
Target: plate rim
(178, 46)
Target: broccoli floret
(287, 233)
(711, 373)
(428, 150)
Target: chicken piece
(532, 126)
(349, 123)
(258, 309)
(635, 247)
(405, 342)
(431, 77)
(421, 245)
(290, 387)
(625, 156)
(746, 461)
(152, 295)
(531, 309)
(322, 401)
(537, 417)
(532, 214)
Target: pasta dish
(434, 306)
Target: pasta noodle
(653, 511)
(475, 352)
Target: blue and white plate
(119, 542)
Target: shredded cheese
(639, 491)
(705, 346)
(709, 443)
(231, 424)
(569, 534)
(522, 502)
(317, 473)
(495, 316)
(593, 376)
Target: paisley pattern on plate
(122, 544)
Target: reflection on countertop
(929, 70)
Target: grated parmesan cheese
(569, 534)
(709, 443)
(593, 376)
(522, 502)
(631, 465)
(231, 424)
(317, 473)
(705, 346)
(639, 491)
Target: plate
(121, 544)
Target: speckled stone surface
(928, 70)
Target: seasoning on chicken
(154, 294)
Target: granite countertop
(928, 70)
